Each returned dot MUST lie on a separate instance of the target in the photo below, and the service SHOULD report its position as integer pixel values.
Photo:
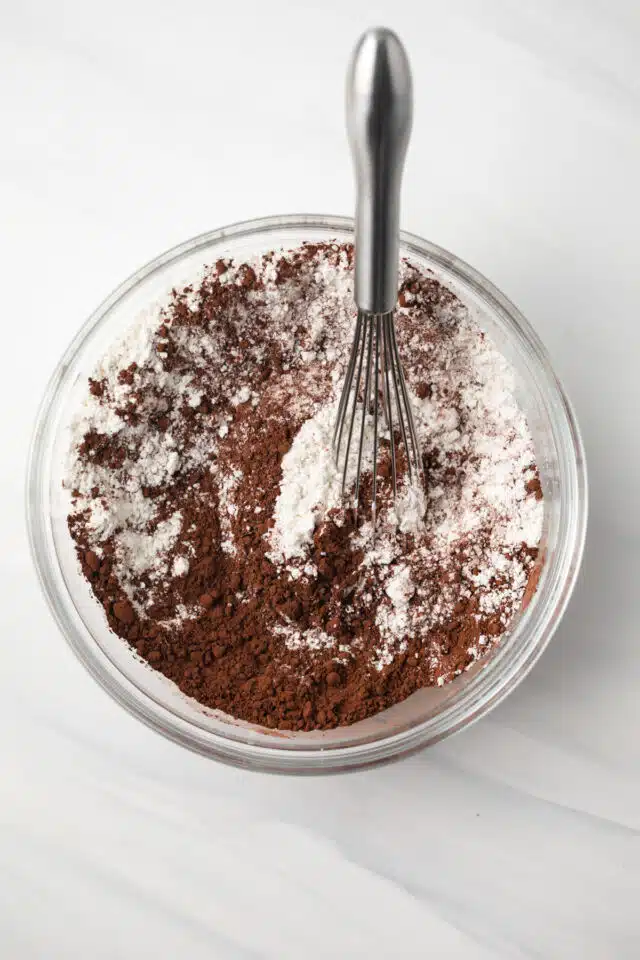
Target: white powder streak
(227, 509)
(392, 619)
(312, 485)
(296, 639)
(142, 552)
(470, 417)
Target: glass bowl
(429, 714)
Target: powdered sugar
(139, 552)
(227, 508)
(312, 485)
(410, 508)
(175, 403)
(180, 567)
(296, 639)
(392, 618)
(470, 424)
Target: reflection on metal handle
(379, 113)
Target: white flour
(123, 511)
(471, 418)
(462, 391)
(312, 485)
(227, 508)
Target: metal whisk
(379, 113)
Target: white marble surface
(129, 126)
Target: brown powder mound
(292, 648)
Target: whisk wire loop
(375, 354)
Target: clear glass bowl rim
(507, 668)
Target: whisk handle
(379, 114)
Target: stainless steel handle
(379, 114)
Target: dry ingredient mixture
(206, 507)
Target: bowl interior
(430, 713)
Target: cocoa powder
(194, 448)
